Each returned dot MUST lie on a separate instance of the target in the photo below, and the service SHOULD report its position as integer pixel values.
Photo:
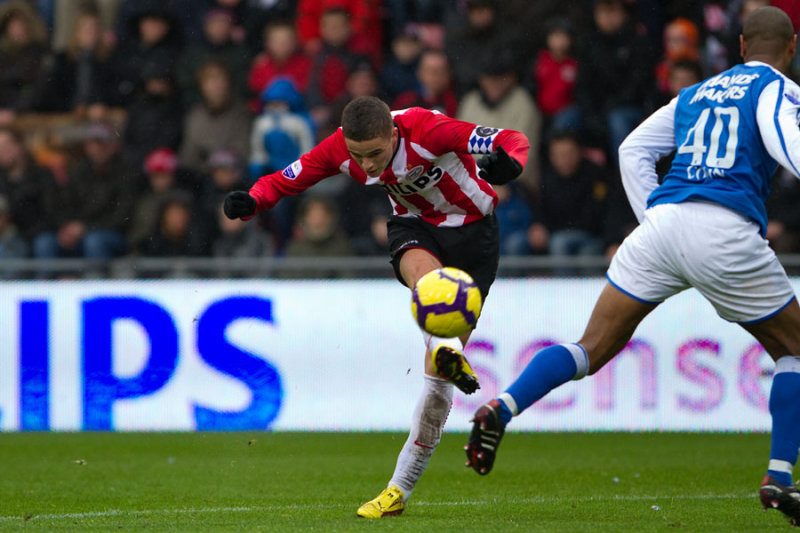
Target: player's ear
(742, 46)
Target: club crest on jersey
(293, 170)
(415, 172)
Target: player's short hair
(366, 118)
(768, 30)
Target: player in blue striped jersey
(703, 227)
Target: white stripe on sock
(788, 363)
(581, 360)
(507, 399)
(780, 466)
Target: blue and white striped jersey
(730, 132)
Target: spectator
(221, 120)
(280, 58)
(97, 201)
(362, 81)
(181, 230)
(681, 43)
(260, 14)
(155, 118)
(67, 13)
(554, 73)
(570, 202)
(364, 17)
(153, 38)
(12, 245)
(29, 188)
(23, 45)
(477, 43)
(160, 169)
(81, 74)
(398, 74)
(426, 15)
(217, 42)
(514, 217)
(237, 238)
(317, 234)
(435, 86)
(332, 63)
(500, 99)
(239, 11)
(226, 175)
(681, 74)
(282, 133)
(614, 76)
(783, 225)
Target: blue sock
(784, 406)
(551, 367)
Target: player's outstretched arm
(239, 204)
(640, 151)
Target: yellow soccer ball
(446, 302)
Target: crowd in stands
(123, 123)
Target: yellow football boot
(450, 364)
(388, 503)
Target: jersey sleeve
(445, 134)
(321, 162)
(640, 151)
(777, 113)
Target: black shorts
(474, 248)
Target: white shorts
(706, 246)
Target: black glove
(498, 168)
(239, 204)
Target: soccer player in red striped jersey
(443, 215)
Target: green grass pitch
(598, 482)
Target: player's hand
(498, 168)
(239, 204)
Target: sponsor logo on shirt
(485, 131)
(721, 88)
(293, 170)
(415, 186)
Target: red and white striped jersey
(432, 175)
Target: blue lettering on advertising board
(34, 391)
(100, 387)
(257, 374)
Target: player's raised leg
(432, 407)
(611, 325)
(780, 336)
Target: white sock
(432, 342)
(430, 415)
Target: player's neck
(777, 63)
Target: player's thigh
(780, 333)
(415, 251)
(611, 325)
(475, 249)
(642, 267)
(415, 263)
(743, 279)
